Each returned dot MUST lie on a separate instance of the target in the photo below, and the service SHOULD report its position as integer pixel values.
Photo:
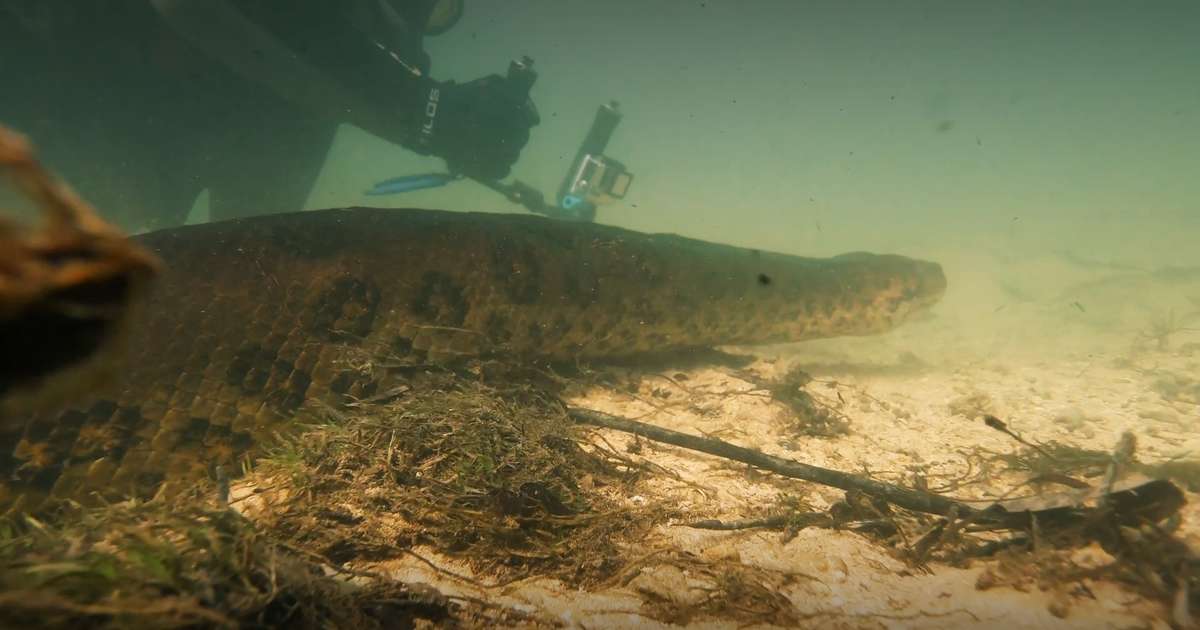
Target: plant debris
(1052, 461)
(812, 416)
(160, 565)
(726, 589)
(490, 475)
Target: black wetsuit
(140, 121)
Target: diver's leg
(273, 168)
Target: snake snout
(929, 282)
(904, 287)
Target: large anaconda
(253, 318)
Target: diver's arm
(309, 52)
(478, 127)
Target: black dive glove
(479, 127)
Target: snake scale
(254, 318)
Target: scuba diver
(143, 104)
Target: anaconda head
(871, 293)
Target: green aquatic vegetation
(181, 565)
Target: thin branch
(903, 497)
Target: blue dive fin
(410, 183)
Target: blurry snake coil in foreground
(68, 287)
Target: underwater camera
(593, 179)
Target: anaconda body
(255, 317)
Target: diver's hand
(479, 127)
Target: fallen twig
(1133, 502)
(900, 496)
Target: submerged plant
(1162, 326)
